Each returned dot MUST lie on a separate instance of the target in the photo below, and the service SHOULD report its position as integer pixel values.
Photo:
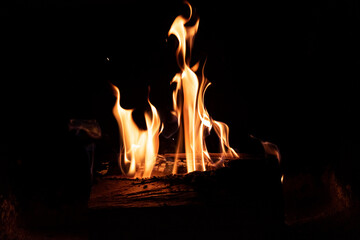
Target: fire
(188, 103)
(139, 147)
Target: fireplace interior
(280, 72)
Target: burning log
(214, 195)
(218, 156)
(165, 163)
(241, 200)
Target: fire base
(243, 200)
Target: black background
(284, 71)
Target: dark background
(283, 71)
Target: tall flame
(139, 147)
(188, 103)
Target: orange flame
(139, 147)
(188, 103)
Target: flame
(270, 149)
(139, 147)
(188, 102)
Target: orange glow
(139, 147)
(188, 103)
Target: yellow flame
(188, 102)
(139, 147)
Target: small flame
(188, 102)
(139, 147)
(270, 148)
